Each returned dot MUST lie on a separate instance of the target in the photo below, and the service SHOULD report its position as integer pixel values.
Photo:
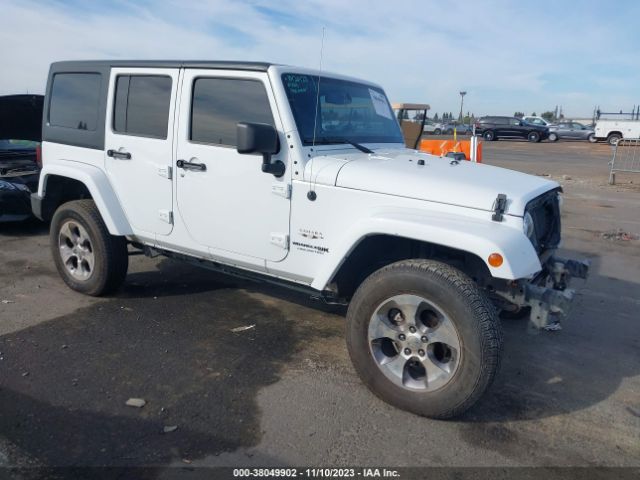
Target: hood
(397, 172)
(21, 117)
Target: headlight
(6, 185)
(527, 225)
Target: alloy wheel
(414, 343)
(76, 250)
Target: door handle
(119, 154)
(198, 167)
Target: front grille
(545, 212)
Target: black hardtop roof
(212, 64)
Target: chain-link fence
(626, 158)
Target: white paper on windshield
(380, 104)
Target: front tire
(533, 137)
(553, 137)
(437, 131)
(89, 259)
(424, 338)
(592, 138)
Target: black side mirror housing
(260, 138)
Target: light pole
(462, 94)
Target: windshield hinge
(281, 189)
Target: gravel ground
(283, 392)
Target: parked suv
(494, 128)
(432, 127)
(301, 178)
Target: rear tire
(89, 259)
(614, 138)
(424, 338)
(533, 137)
(489, 136)
(437, 131)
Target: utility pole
(462, 94)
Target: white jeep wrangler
(301, 178)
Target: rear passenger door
(516, 129)
(139, 145)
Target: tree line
(471, 118)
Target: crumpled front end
(548, 294)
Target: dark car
(572, 131)
(494, 128)
(20, 135)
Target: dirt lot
(284, 392)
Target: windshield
(347, 111)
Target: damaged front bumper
(548, 293)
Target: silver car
(571, 131)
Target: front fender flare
(98, 185)
(476, 236)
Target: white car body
(537, 121)
(222, 164)
(431, 127)
(605, 129)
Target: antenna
(311, 195)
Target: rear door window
(75, 99)
(141, 105)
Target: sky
(507, 55)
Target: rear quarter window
(74, 101)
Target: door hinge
(166, 216)
(280, 239)
(166, 172)
(281, 189)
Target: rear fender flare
(99, 187)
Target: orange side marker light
(495, 260)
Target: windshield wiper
(330, 140)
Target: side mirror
(260, 138)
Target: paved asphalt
(283, 392)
